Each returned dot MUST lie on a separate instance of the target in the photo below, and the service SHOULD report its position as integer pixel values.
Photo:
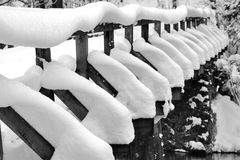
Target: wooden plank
(157, 27)
(141, 57)
(27, 133)
(41, 55)
(175, 26)
(182, 25)
(81, 54)
(167, 27)
(101, 81)
(72, 103)
(108, 41)
(129, 33)
(176, 93)
(145, 32)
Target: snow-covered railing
(81, 26)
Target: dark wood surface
(27, 133)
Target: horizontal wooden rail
(27, 133)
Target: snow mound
(131, 92)
(228, 126)
(204, 40)
(32, 78)
(41, 32)
(193, 45)
(105, 112)
(187, 51)
(161, 61)
(68, 61)
(158, 84)
(197, 41)
(175, 54)
(69, 137)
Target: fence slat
(100, 80)
(72, 103)
(167, 27)
(28, 134)
(129, 33)
(175, 26)
(188, 20)
(108, 41)
(157, 27)
(81, 54)
(145, 31)
(44, 54)
(182, 25)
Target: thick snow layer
(43, 28)
(32, 78)
(228, 126)
(198, 42)
(69, 137)
(187, 51)
(68, 61)
(105, 112)
(131, 92)
(203, 29)
(193, 45)
(157, 83)
(175, 54)
(203, 39)
(161, 61)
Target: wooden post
(28, 134)
(44, 55)
(157, 27)
(194, 22)
(81, 54)
(167, 27)
(188, 22)
(145, 31)
(182, 25)
(129, 33)
(108, 41)
(175, 26)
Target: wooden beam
(188, 20)
(101, 81)
(129, 33)
(72, 103)
(27, 133)
(81, 54)
(108, 41)
(157, 27)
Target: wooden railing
(143, 127)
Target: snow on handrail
(46, 28)
(200, 12)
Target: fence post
(145, 31)
(175, 26)
(182, 25)
(108, 41)
(167, 27)
(41, 55)
(129, 33)
(157, 27)
(188, 22)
